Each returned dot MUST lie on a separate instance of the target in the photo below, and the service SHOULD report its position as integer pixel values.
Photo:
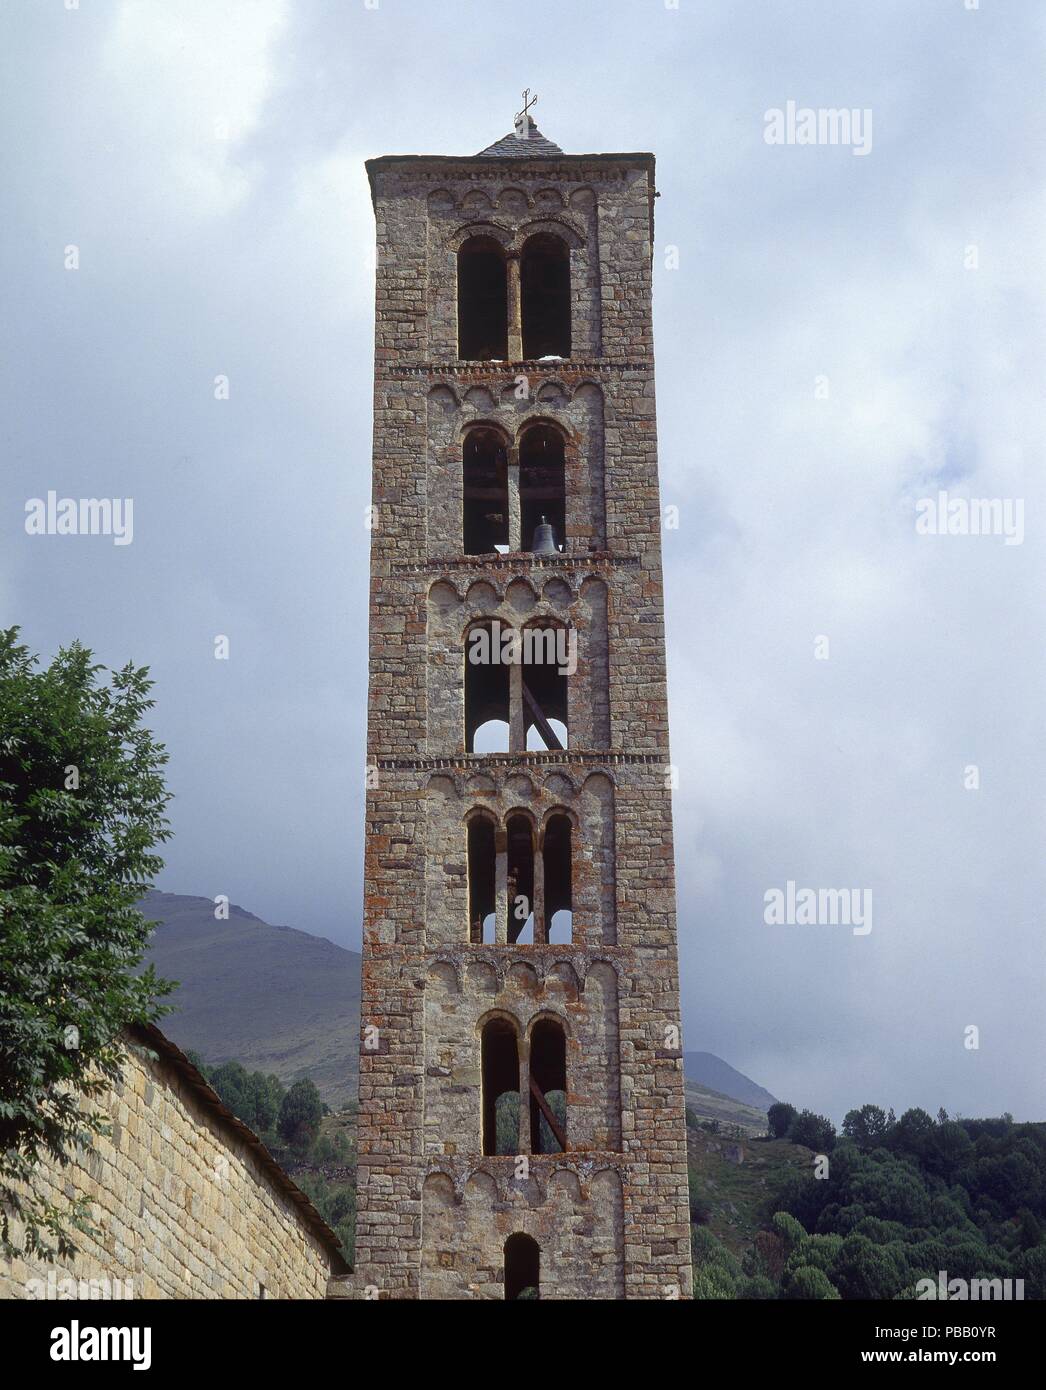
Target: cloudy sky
(838, 337)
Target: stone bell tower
(521, 1128)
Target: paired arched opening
(503, 1101)
(482, 301)
(537, 874)
(522, 1267)
(513, 306)
(516, 686)
(508, 493)
(519, 853)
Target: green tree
(300, 1115)
(82, 809)
(867, 1127)
(806, 1282)
(780, 1117)
(815, 1131)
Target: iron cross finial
(528, 102)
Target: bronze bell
(544, 539)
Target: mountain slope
(276, 999)
(714, 1074)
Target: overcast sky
(844, 335)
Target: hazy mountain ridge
(714, 1074)
(274, 998)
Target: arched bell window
(545, 296)
(482, 301)
(484, 492)
(499, 1070)
(542, 486)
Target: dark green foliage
(252, 1096)
(301, 1111)
(506, 1123)
(906, 1199)
(82, 809)
(867, 1127)
(780, 1118)
(336, 1203)
(814, 1131)
(807, 1282)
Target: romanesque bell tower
(521, 1128)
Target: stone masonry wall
(183, 1208)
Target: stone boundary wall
(187, 1201)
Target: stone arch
(563, 1185)
(513, 200)
(477, 200)
(438, 1191)
(480, 1188)
(479, 398)
(482, 597)
(443, 598)
(521, 595)
(479, 228)
(522, 976)
(560, 784)
(563, 978)
(548, 197)
(482, 977)
(444, 975)
(558, 593)
(548, 226)
(444, 397)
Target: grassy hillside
(732, 1178)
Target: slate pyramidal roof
(525, 142)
